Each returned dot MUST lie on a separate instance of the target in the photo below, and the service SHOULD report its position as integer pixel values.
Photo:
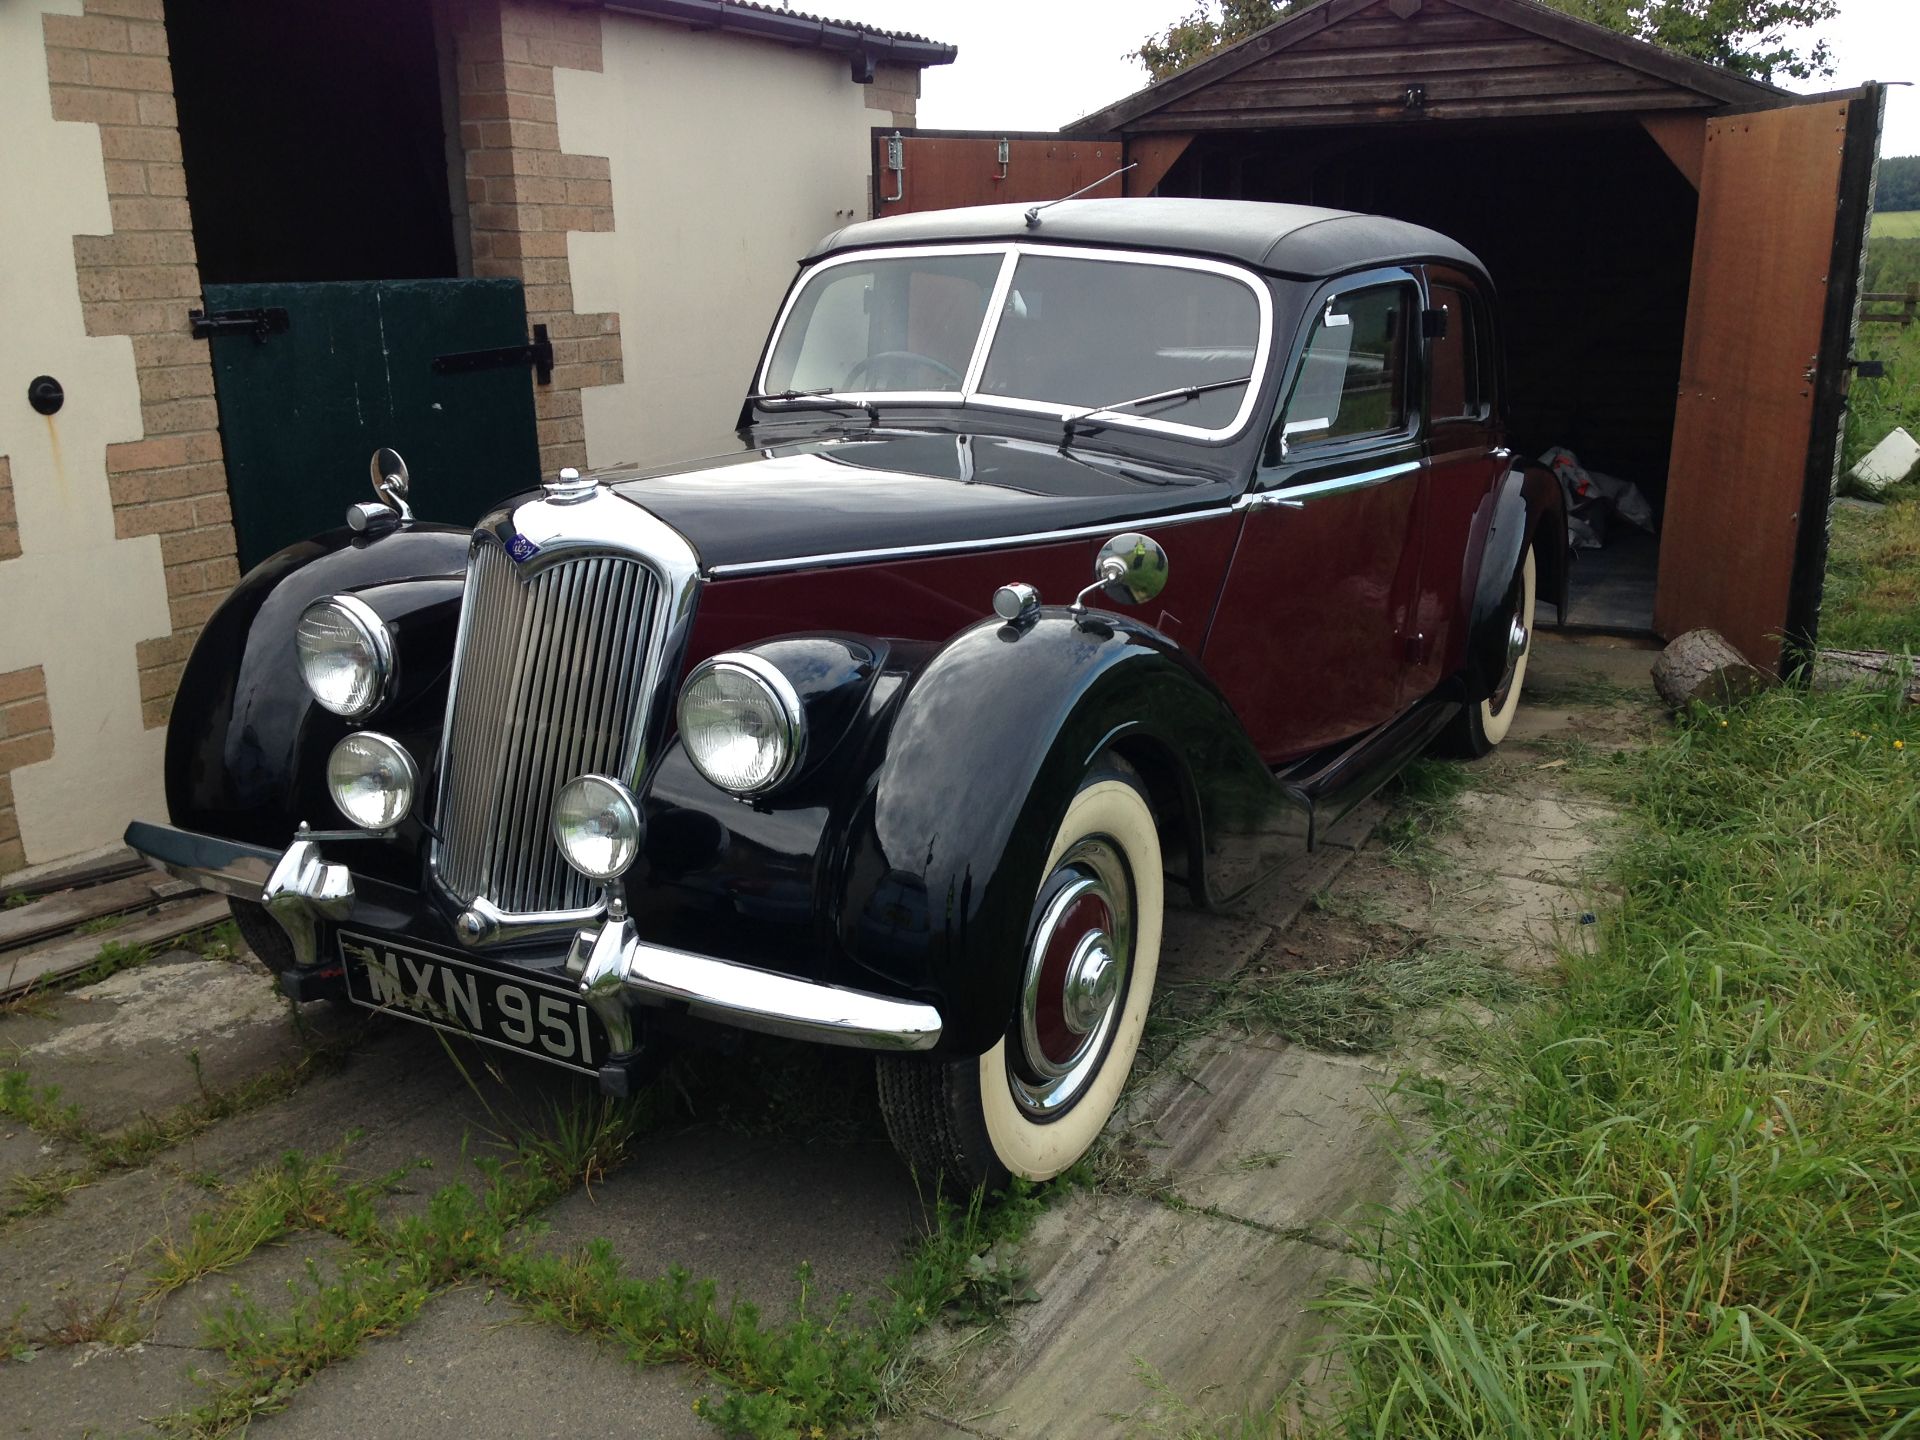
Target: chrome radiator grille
(549, 686)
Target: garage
(1676, 247)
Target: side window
(1453, 359)
(1353, 376)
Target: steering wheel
(862, 370)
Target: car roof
(1301, 240)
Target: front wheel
(1035, 1103)
(1478, 728)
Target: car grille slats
(551, 685)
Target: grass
(1684, 1199)
(1425, 799)
(1896, 225)
(1875, 407)
(1872, 599)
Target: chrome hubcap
(1075, 978)
(1518, 637)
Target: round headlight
(741, 723)
(596, 824)
(372, 780)
(346, 654)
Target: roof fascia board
(789, 28)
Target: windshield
(1054, 331)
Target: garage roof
(1354, 61)
(1291, 239)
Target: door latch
(537, 352)
(259, 323)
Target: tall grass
(1684, 1199)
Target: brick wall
(524, 194)
(895, 89)
(9, 519)
(26, 738)
(108, 66)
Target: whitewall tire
(1036, 1102)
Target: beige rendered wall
(730, 156)
(75, 601)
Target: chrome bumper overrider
(615, 968)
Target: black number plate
(548, 1022)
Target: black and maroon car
(1066, 554)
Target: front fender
(247, 744)
(936, 881)
(1523, 511)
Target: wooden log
(1841, 669)
(1702, 667)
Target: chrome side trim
(754, 999)
(960, 547)
(226, 867)
(1361, 480)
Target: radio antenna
(1033, 215)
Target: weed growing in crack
(296, 1194)
(1425, 799)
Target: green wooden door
(303, 409)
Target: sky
(1037, 64)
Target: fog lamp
(596, 824)
(372, 780)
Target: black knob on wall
(44, 393)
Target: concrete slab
(1198, 949)
(86, 1259)
(1219, 1309)
(88, 1390)
(1277, 901)
(747, 1213)
(1373, 890)
(24, 1153)
(126, 1046)
(1529, 922)
(472, 1364)
(1290, 1139)
(271, 1277)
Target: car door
(1309, 641)
(1464, 461)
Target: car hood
(903, 492)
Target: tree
(1761, 39)
(1899, 183)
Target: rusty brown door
(940, 169)
(1764, 371)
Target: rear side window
(1353, 376)
(1455, 388)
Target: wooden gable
(1346, 62)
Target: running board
(1330, 783)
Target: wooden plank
(1769, 189)
(49, 878)
(1682, 138)
(42, 965)
(1550, 82)
(1628, 102)
(943, 171)
(1154, 155)
(51, 914)
(1414, 60)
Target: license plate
(548, 1022)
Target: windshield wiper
(1070, 426)
(821, 399)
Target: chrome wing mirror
(1130, 569)
(390, 483)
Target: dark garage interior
(1588, 233)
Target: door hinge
(537, 352)
(259, 323)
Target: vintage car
(1066, 553)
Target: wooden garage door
(939, 169)
(1764, 370)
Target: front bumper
(616, 970)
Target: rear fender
(1524, 511)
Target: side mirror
(390, 480)
(1131, 569)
